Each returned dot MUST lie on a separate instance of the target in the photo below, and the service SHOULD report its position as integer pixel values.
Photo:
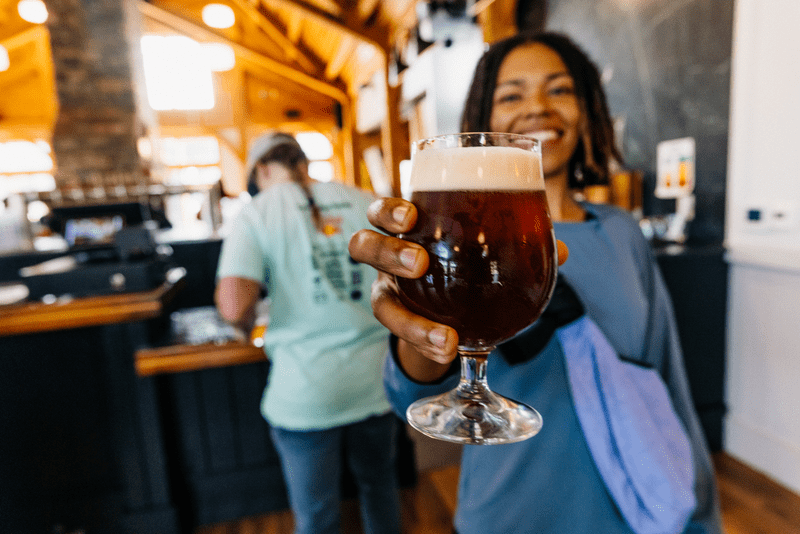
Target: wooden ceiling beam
(23, 74)
(334, 90)
(367, 8)
(294, 29)
(27, 128)
(32, 34)
(406, 20)
(346, 49)
(289, 46)
(38, 65)
(375, 36)
(478, 7)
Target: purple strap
(636, 440)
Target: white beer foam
(494, 168)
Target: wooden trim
(33, 317)
(184, 358)
(377, 36)
(196, 31)
(290, 47)
(497, 20)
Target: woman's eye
(561, 90)
(508, 97)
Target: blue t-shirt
(549, 483)
(325, 346)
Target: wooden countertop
(32, 317)
(184, 358)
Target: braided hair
(596, 150)
(292, 156)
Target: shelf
(33, 317)
(183, 358)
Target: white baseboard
(766, 452)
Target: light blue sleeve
(242, 253)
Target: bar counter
(108, 427)
(83, 442)
(30, 317)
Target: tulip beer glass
(484, 221)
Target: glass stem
(473, 383)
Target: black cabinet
(86, 444)
(697, 280)
(225, 464)
(81, 441)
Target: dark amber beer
(483, 219)
(490, 242)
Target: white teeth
(543, 135)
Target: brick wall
(94, 140)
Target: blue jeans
(312, 467)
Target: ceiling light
(220, 56)
(5, 62)
(218, 16)
(315, 145)
(33, 11)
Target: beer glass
(484, 221)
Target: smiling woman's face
(535, 95)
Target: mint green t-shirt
(325, 346)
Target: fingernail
(399, 214)
(438, 337)
(408, 257)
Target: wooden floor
(751, 504)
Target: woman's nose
(536, 103)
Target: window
(176, 73)
(319, 152)
(25, 167)
(190, 160)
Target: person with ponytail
(324, 400)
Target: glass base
(451, 417)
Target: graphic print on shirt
(332, 263)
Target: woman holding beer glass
(576, 475)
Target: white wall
(765, 125)
(763, 361)
(443, 73)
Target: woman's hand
(425, 348)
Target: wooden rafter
(346, 49)
(294, 28)
(406, 20)
(331, 89)
(478, 7)
(367, 8)
(39, 65)
(32, 34)
(19, 76)
(288, 45)
(409, 15)
(375, 35)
